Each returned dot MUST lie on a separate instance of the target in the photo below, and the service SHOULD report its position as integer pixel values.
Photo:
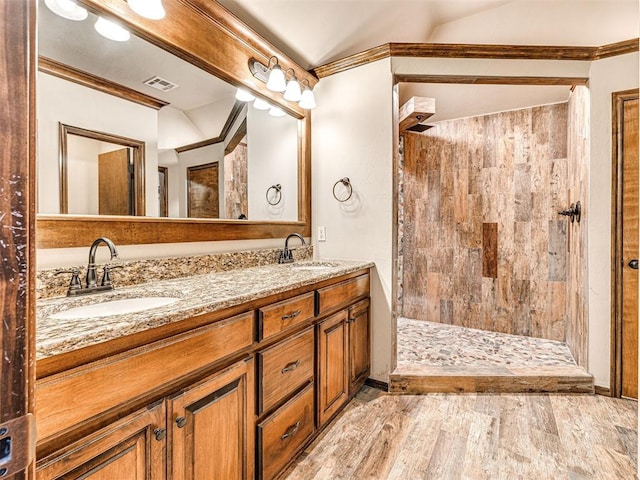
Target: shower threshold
(435, 357)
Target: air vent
(160, 84)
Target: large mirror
(126, 128)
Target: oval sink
(114, 307)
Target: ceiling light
(260, 104)
(276, 112)
(151, 9)
(244, 95)
(111, 30)
(308, 100)
(293, 93)
(276, 80)
(67, 9)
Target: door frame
(617, 104)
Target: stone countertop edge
(198, 295)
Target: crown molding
(490, 51)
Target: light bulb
(276, 112)
(244, 95)
(308, 100)
(293, 93)
(111, 30)
(151, 9)
(67, 9)
(276, 82)
(260, 104)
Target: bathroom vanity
(230, 381)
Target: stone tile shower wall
(483, 245)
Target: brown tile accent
(490, 250)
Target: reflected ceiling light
(151, 9)
(111, 30)
(67, 9)
(308, 100)
(244, 95)
(276, 112)
(260, 104)
(293, 93)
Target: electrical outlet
(322, 234)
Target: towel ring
(347, 183)
(278, 194)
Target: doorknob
(634, 264)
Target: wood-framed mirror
(226, 53)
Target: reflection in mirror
(184, 118)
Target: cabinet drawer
(283, 315)
(341, 294)
(284, 367)
(66, 399)
(282, 434)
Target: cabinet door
(358, 345)
(132, 448)
(333, 375)
(212, 427)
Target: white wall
(352, 137)
(272, 158)
(606, 76)
(72, 104)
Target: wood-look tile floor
(475, 437)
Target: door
(17, 236)
(333, 365)
(212, 427)
(358, 345)
(203, 192)
(163, 191)
(132, 448)
(626, 243)
(115, 190)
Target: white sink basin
(114, 307)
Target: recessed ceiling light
(67, 9)
(111, 30)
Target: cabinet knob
(291, 431)
(633, 264)
(181, 421)
(160, 433)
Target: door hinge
(17, 444)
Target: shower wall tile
(483, 245)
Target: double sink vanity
(228, 376)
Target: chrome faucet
(92, 279)
(91, 285)
(285, 255)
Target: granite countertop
(197, 295)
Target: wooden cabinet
(211, 426)
(132, 448)
(333, 375)
(359, 356)
(284, 315)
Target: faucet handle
(106, 275)
(75, 283)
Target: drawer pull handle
(181, 421)
(291, 366)
(160, 433)
(291, 315)
(291, 431)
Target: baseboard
(604, 391)
(370, 382)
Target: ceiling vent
(160, 84)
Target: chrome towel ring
(347, 184)
(276, 195)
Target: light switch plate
(322, 234)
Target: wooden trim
(304, 172)
(17, 235)
(233, 116)
(86, 79)
(617, 105)
(396, 273)
(604, 391)
(139, 156)
(373, 383)
(491, 80)
(240, 133)
(489, 51)
(200, 144)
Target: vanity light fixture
(276, 81)
(308, 100)
(151, 9)
(293, 93)
(67, 9)
(244, 95)
(111, 30)
(261, 104)
(276, 112)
